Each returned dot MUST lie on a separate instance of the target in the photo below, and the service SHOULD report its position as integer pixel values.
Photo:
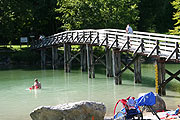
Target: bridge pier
(67, 56)
(54, 57)
(90, 60)
(116, 60)
(43, 57)
(83, 58)
(160, 76)
(137, 69)
(109, 69)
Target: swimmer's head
(35, 80)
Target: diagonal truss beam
(155, 48)
(74, 56)
(138, 48)
(99, 59)
(128, 65)
(172, 76)
(176, 50)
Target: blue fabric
(148, 99)
(130, 30)
(120, 114)
(177, 111)
(131, 113)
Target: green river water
(58, 87)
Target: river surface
(58, 87)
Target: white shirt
(37, 84)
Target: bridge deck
(150, 44)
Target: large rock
(160, 104)
(84, 110)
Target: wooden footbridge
(162, 47)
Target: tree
(86, 14)
(14, 16)
(26, 17)
(155, 16)
(176, 16)
(43, 12)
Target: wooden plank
(116, 58)
(169, 57)
(90, 65)
(137, 48)
(170, 44)
(83, 58)
(149, 46)
(151, 53)
(160, 76)
(166, 48)
(137, 70)
(109, 69)
(67, 56)
(96, 39)
(123, 46)
(104, 40)
(43, 57)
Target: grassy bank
(13, 47)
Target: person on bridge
(129, 29)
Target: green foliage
(20, 18)
(26, 56)
(87, 14)
(15, 17)
(176, 17)
(43, 16)
(155, 16)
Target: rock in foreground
(160, 104)
(84, 110)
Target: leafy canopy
(24, 18)
(87, 14)
(176, 17)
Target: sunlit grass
(14, 47)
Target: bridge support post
(160, 76)
(67, 56)
(54, 57)
(43, 58)
(109, 69)
(116, 58)
(137, 69)
(90, 61)
(83, 58)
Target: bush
(26, 56)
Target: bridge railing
(166, 46)
(150, 44)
